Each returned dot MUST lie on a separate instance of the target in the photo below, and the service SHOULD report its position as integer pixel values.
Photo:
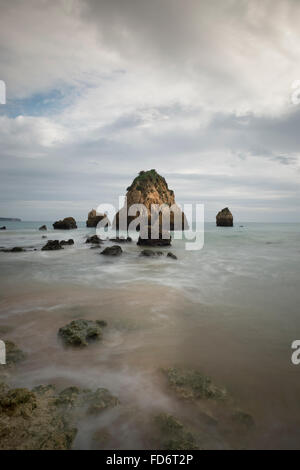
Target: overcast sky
(200, 90)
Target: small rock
(190, 384)
(173, 434)
(94, 239)
(171, 255)
(52, 245)
(114, 250)
(66, 224)
(15, 249)
(44, 236)
(67, 242)
(3, 228)
(43, 227)
(81, 332)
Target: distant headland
(9, 219)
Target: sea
(229, 310)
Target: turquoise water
(230, 310)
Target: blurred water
(230, 309)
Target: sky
(206, 92)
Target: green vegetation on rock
(191, 384)
(81, 332)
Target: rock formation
(81, 332)
(149, 188)
(94, 219)
(43, 227)
(65, 224)
(114, 250)
(3, 228)
(52, 245)
(224, 218)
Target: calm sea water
(230, 310)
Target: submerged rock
(81, 332)
(52, 245)
(171, 255)
(66, 224)
(43, 227)
(173, 434)
(151, 253)
(15, 249)
(224, 218)
(242, 418)
(67, 242)
(94, 219)
(94, 239)
(93, 401)
(32, 421)
(152, 191)
(191, 384)
(114, 250)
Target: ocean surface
(230, 310)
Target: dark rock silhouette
(66, 224)
(224, 218)
(43, 227)
(114, 250)
(94, 219)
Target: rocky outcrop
(190, 384)
(94, 219)
(3, 228)
(66, 242)
(149, 188)
(81, 332)
(171, 255)
(15, 249)
(94, 239)
(151, 253)
(52, 245)
(66, 224)
(43, 419)
(43, 227)
(114, 250)
(224, 218)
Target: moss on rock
(81, 332)
(191, 384)
(173, 434)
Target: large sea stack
(94, 218)
(224, 218)
(149, 188)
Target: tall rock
(150, 188)
(224, 218)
